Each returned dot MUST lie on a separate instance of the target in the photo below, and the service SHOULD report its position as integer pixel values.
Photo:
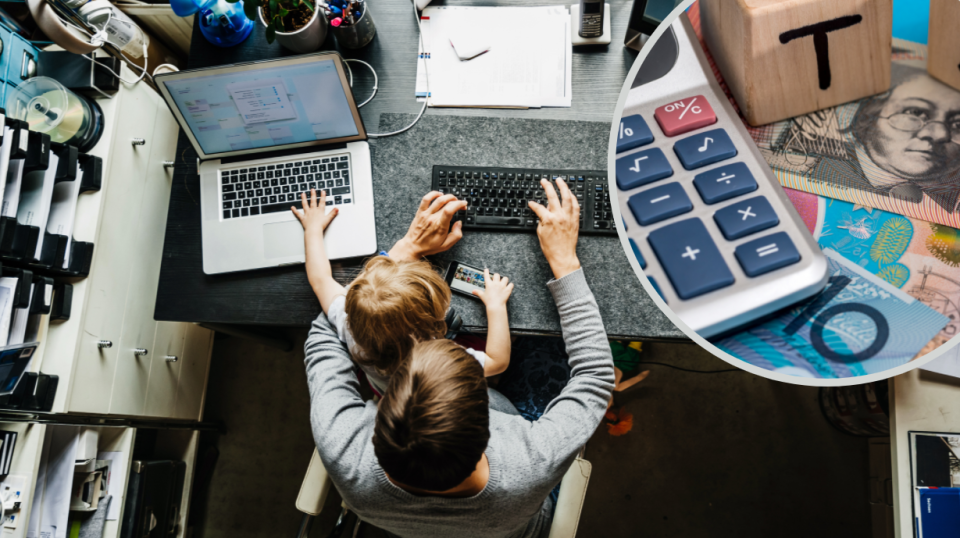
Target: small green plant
(280, 15)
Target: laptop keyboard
(497, 197)
(273, 188)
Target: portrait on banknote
(902, 145)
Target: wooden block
(943, 43)
(785, 58)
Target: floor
(709, 454)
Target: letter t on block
(786, 58)
(943, 49)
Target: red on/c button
(685, 115)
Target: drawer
(139, 328)
(165, 366)
(113, 255)
(194, 369)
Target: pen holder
(358, 34)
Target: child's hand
(314, 217)
(498, 290)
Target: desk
(281, 296)
(919, 401)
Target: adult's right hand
(430, 231)
(558, 228)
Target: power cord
(421, 57)
(375, 81)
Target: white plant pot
(307, 39)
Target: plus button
(691, 253)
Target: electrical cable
(376, 82)
(98, 39)
(426, 76)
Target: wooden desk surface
(281, 296)
(920, 401)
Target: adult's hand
(558, 228)
(430, 231)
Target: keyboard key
(767, 254)
(656, 288)
(244, 212)
(643, 167)
(705, 148)
(226, 213)
(724, 183)
(745, 218)
(690, 258)
(685, 115)
(636, 253)
(236, 213)
(659, 203)
(633, 133)
(229, 196)
(341, 190)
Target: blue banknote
(858, 325)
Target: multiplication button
(642, 167)
(747, 217)
(690, 258)
(724, 183)
(633, 133)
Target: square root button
(638, 169)
(690, 258)
(685, 115)
(767, 254)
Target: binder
(63, 208)
(62, 302)
(36, 196)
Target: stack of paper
(528, 63)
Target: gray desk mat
(402, 168)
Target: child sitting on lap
(392, 304)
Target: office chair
(316, 486)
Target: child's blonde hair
(391, 306)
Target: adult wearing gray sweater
(435, 460)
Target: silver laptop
(266, 132)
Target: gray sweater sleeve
(340, 419)
(572, 417)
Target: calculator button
(747, 217)
(641, 168)
(724, 183)
(636, 252)
(685, 115)
(704, 148)
(767, 254)
(659, 203)
(691, 260)
(656, 288)
(633, 133)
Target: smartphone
(464, 278)
(591, 18)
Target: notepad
(528, 64)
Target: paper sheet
(946, 364)
(36, 195)
(118, 470)
(54, 506)
(528, 65)
(11, 189)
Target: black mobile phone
(591, 18)
(464, 278)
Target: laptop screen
(263, 106)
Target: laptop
(265, 132)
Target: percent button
(633, 133)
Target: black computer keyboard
(497, 197)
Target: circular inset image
(789, 188)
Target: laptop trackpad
(283, 239)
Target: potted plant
(296, 24)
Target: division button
(690, 258)
(724, 183)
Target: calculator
(702, 212)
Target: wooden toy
(785, 58)
(943, 43)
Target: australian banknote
(920, 258)
(858, 325)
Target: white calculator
(703, 212)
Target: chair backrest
(315, 487)
(573, 490)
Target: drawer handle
(171, 358)
(167, 164)
(137, 141)
(104, 344)
(139, 351)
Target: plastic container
(49, 107)
(221, 23)
(120, 29)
